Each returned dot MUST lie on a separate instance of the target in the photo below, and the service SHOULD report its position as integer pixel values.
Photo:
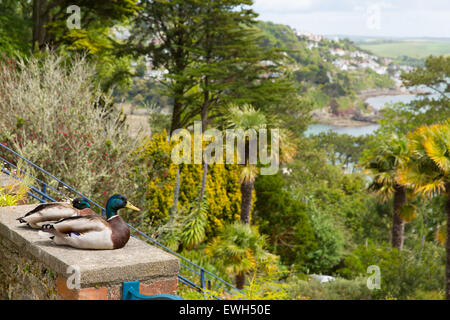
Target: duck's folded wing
(38, 208)
(49, 212)
(81, 224)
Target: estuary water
(375, 102)
(353, 131)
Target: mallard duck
(93, 232)
(84, 207)
(54, 211)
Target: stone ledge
(98, 268)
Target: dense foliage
(52, 114)
(284, 220)
(155, 175)
(338, 204)
(404, 273)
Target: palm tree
(382, 162)
(248, 118)
(240, 249)
(427, 171)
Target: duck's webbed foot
(47, 227)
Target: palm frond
(249, 173)
(193, 232)
(383, 162)
(245, 118)
(240, 247)
(436, 148)
(427, 170)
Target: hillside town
(348, 60)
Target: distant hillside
(360, 39)
(332, 72)
(418, 49)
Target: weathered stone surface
(22, 248)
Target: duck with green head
(93, 232)
(53, 211)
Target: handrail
(38, 180)
(205, 276)
(42, 194)
(48, 174)
(130, 291)
(183, 258)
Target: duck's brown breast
(120, 232)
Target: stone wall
(22, 276)
(34, 268)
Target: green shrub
(7, 200)
(240, 249)
(403, 273)
(284, 220)
(341, 289)
(189, 293)
(185, 230)
(12, 194)
(159, 122)
(428, 295)
(155, 179)
(329, 238)
(55, 115)
(265, 287)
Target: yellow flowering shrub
(16, 192)
(155, 179)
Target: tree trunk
(40, 19)
(240, 281)
(204, 176)
(176, 115)
(398, 225)
(204, 114)
(447, 245)
(246, 205)
(174, 125)
(176, 192)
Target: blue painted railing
(48, 188)
(130, 291)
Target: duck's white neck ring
(114, 216)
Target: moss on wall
(22, 276)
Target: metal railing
(130, 291)
(48, 188)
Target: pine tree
(214, 55)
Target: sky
(383, 18)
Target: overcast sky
(393, 18)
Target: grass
(414, 49)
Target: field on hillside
(414, 49)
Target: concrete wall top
(136, 261)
